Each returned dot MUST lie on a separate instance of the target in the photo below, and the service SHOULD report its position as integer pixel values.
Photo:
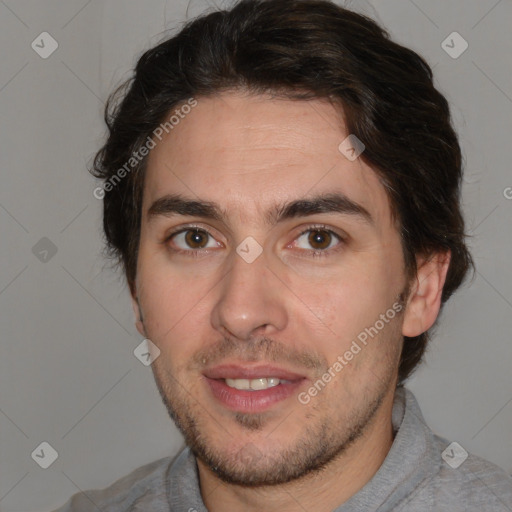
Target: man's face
(227, 319)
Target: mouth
(251, 389)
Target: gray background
(68, 374)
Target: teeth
(253, 384)
(239, 383)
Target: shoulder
(469, 482)
(448, 477)
(142, 487)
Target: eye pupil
(319, 239)
(196, 239)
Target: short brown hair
(302, 49)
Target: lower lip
(251, 401)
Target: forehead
(250, 152)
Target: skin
(297, 306)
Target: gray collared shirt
(413, 477)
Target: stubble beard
(319, 444)
(324, 438)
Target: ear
(424, 300)
(139, 321)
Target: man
(281, 184)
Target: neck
(320, 491)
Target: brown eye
(320, 239)
(196, 239)
(192, 239)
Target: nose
(251, 300)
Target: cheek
(175, 306)
(341, 307)
(341, 299)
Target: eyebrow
(175, 204)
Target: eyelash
(195, 253)
(322, 253)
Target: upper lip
(238, 371)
